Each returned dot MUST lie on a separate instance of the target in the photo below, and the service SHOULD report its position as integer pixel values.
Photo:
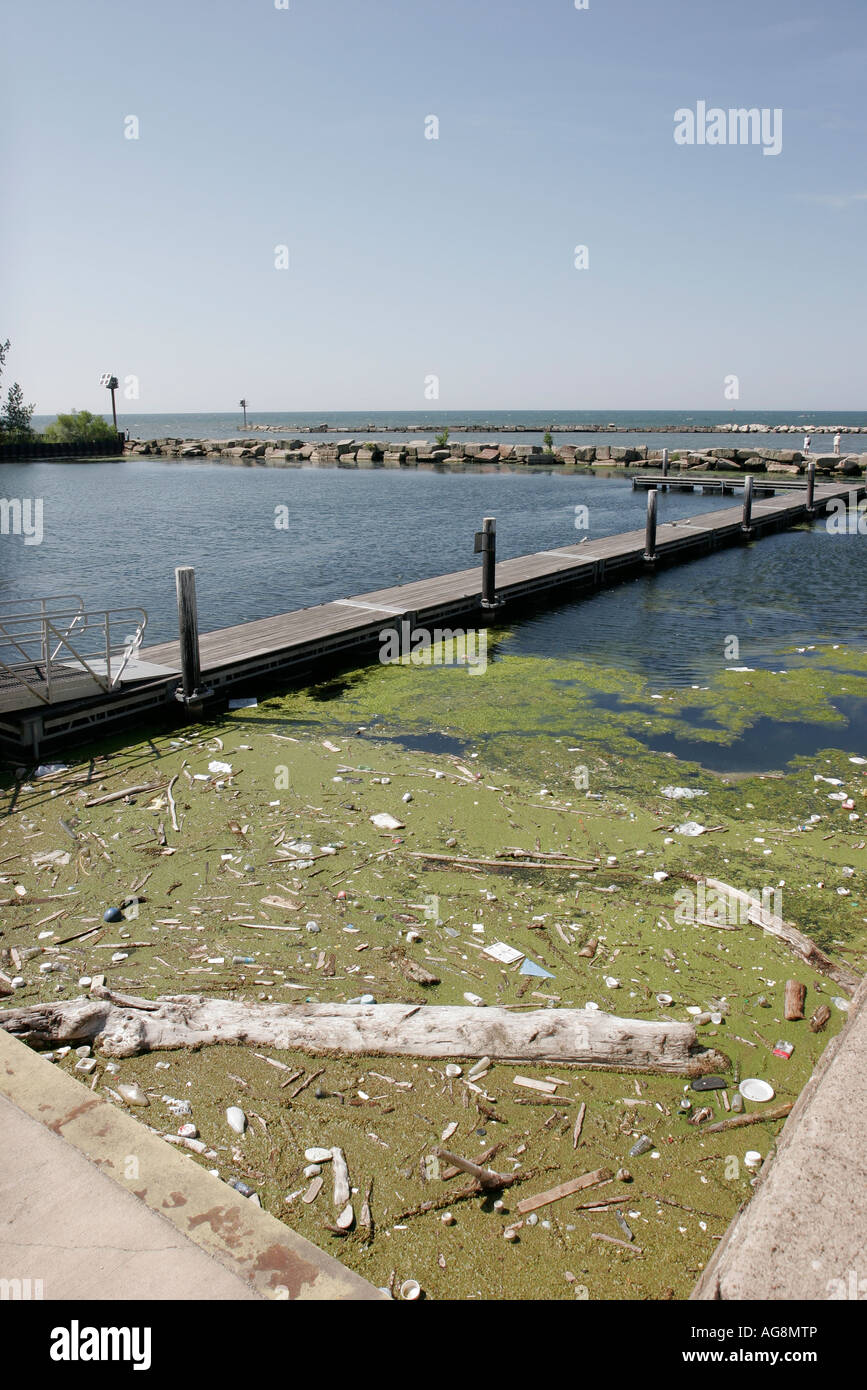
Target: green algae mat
(278, 885)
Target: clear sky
(305, 127)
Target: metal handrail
(52, 634)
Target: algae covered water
(707, 721)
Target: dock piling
(746, 523)
(650, 532)
(486, 542)
(811, 484)
(665, 463)
(190, 689)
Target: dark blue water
(114, 532)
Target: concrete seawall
(804, 1233)
(94, 1205)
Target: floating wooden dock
(302, 645)
(724, 483)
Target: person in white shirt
(837, 443)
(806, 444)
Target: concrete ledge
(96, 1206)
(804, 1233)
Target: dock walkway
(299, 645)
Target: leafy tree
(15, 420)
(443, 438)
(548, 441)
(78, 427)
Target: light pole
(243, 405)
(111, 383)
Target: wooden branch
(485, 1177)
(779, 1112)
(802, 946)
(796, 993)
(171, 800)
(124, 791)
(125, 1027)
(579, 1124)
(461, 861)
(563, 1189)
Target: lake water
(533, 423)
(114, 532)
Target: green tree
(443, 438)
(15, 419)
(78, 427)
(548, 441)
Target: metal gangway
(54, 649)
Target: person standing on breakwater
(837, 438)
(806, 444)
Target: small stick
(125, 791)
(612, 1240)
(171, 800)
(579, 1123)
(486, 1177)
(305, 1084)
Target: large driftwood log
(802, 946)
(123, 1027)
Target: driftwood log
(123, 1027)
(802, 946)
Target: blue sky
(305, 127)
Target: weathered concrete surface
(804, 1233)
(96, 1206)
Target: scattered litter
(506, 955)
(752, 1088)
(784, 1049)
(236, 1119)
(132, 1093)
(682, 793)
(383, 821)
(641, 1146)
(529, 967)
(318, 1155)
(690, 827)
(752, 1158)
(216, 766)
(50, 769)
(410, 1290)
(474, 998)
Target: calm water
(113, 532)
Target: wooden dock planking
(295, 642)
